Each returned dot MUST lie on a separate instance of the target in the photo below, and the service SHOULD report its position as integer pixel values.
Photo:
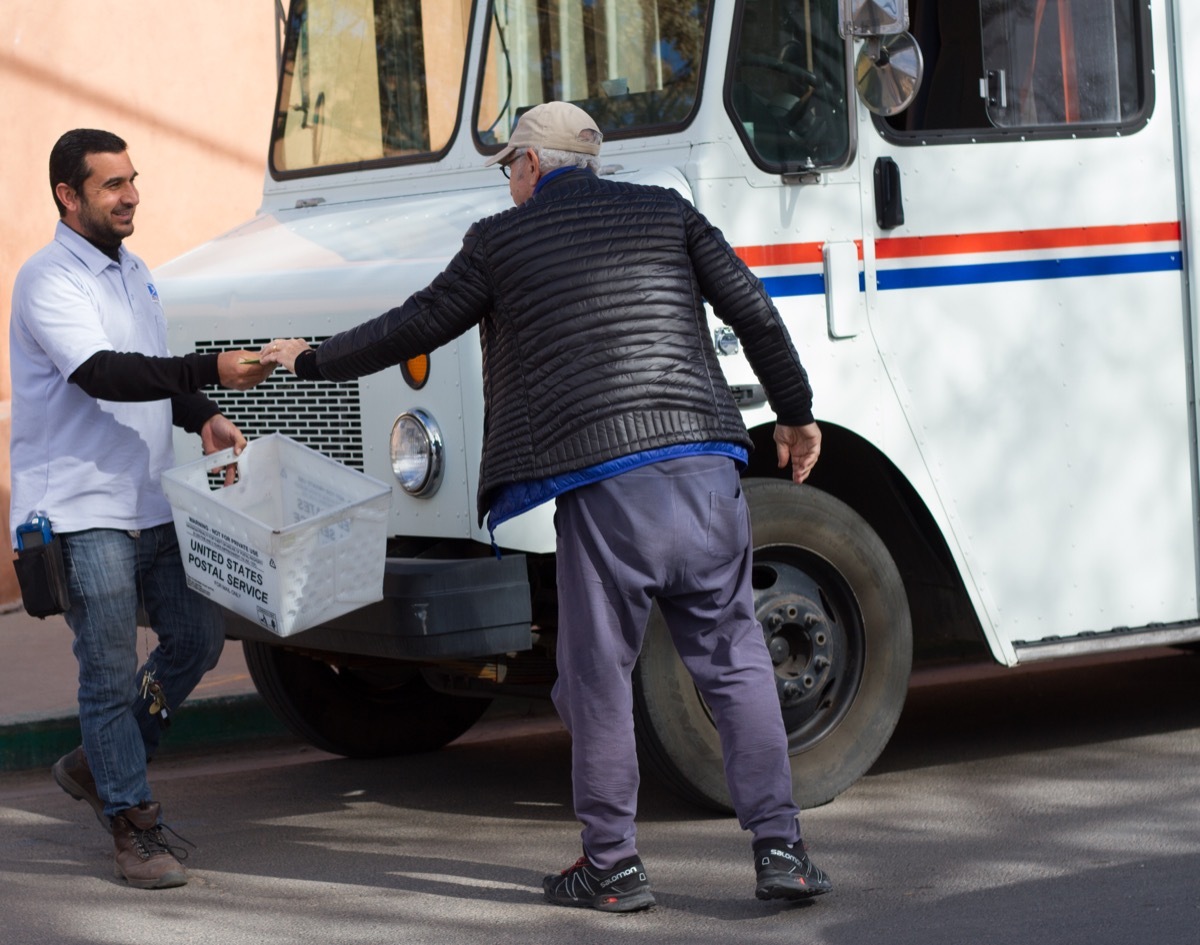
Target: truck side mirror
(888, 70)
(872, 17)
(887, 73)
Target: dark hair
(68, 158)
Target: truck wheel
(837, 626)
(354, 712)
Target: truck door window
(1046, 67)
(368, 81)
(787, 81)
(633, 65)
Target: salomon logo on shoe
(785, 872)
(616, 877)
(779, 854)
(624, 888)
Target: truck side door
(1030, 307)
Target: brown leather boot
(73, 775)
(142, 855)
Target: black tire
(353, 712)
(837, 623)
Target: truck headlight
(417, 452)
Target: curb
(204, 723)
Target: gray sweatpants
(677, 532)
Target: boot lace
(151, 842)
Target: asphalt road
(1054, 806)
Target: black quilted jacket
(595, 346)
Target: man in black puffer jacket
(603, 392)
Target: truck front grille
(323, 415)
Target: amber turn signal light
(416, 371)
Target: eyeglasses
(506, 169)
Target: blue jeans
(114, 574)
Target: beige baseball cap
(558, 125)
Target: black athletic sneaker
(785, 871)
(624, 888)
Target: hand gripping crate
(298, 540)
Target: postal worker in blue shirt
(95, 395)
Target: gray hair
(551, 159)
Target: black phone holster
(43, 579)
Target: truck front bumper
(432, 609)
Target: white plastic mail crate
(297, 540)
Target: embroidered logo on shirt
(153, 292)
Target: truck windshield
(633, 65)
(366, 81)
